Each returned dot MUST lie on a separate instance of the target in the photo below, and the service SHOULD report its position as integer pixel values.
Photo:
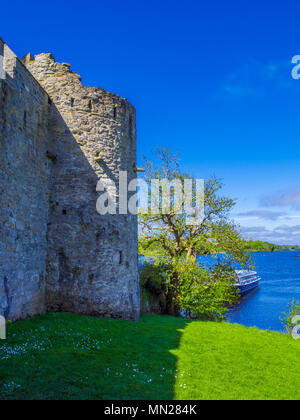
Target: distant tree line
(151, 249)
(260, 246)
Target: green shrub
(287, 317)
(195, 291)
(204, 293)
(153, 277)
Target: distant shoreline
(250, 252)
(250, 246)
(276, 250)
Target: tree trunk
(172, 306)
(191, 254)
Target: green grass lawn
(65, 356)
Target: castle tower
(91, 259)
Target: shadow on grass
(66, 356)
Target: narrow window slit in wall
(72, 102)
(115, 113)
(131, 127)
(90, 106)
(25, 118)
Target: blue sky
(211, 80)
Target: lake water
(280, 283)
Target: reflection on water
(280, 283)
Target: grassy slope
(64, 356)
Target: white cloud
(288, 198)
(264, 214)
(284, 234)
(256, 79)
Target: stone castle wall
(87, 263)
(24, 190)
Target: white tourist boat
(246, 280)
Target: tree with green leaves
(181, 242)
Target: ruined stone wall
(92, 259)
(24, 190)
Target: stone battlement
(56, 252)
